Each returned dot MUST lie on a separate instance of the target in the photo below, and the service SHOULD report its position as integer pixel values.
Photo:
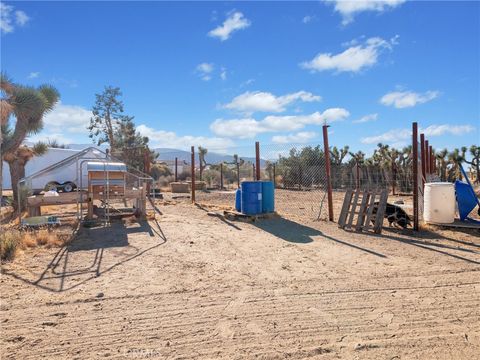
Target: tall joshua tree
(442, 163)
(475, 162)
(28, 106)
(201, 157)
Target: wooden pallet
(357, 210)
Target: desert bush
(48, 238)
(10, 240)
(165, 180)
(160, 170)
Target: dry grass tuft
(48, 238)
(10, 241)
(28, 240)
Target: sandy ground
(195, 286)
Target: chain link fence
(298, 171)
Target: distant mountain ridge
(169, 154)
(211, 157)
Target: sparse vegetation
(13, 240)
(9, 244)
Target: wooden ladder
(364, 201)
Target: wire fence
(297, 170)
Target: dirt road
(196, 286)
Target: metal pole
(430, 150)
(238, 174)
(253, 173)
(146, 167)
(176, 169)
(326, 149)
(358, 176)
(427, 159)
(423, 156)
(257, 160)
(415, 174)
(193, 174)
(221, 176)
(274, 176)
(394, 177)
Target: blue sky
(224, 74)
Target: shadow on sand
(428, 240)
(59, 269)
(297, 233)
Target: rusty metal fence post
(427, 159)
(432, 164)
(193, 175)
(357, 170)
(423, 156)
(221, 176)
(327, 170)
(257, 160)
(274, 175)
(394, 177)
(176, 169)
(238, 174)
(415, 174)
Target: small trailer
(59, 170)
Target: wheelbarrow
(466, 198)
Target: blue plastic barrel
(268, 197)
(251, 197)
(238, 200)
(466, 199)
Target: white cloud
(348, 9)
(353, 59)
(169, 139)
(246, 83)
(34, 75)
(235, 21)
(390, 136)
(366, 118)
(438, 130)
(402, 135)
(10, 18)
(67, 119)
(301, 137)
(308, 18)
(249, 128)
(205, 70)
(249, 102)
(21, 18)
(404, 99)
(223, 74)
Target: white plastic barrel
(439, 203)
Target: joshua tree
(28, 105)
(455, 158)
(17, 161)
(338, 155)
(475, 162)
(442, 163)
(201, 158)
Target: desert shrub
(29, 240)
(48, 238)
(165, 180)
(10, 240)
(186, 174)
(160, 170)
